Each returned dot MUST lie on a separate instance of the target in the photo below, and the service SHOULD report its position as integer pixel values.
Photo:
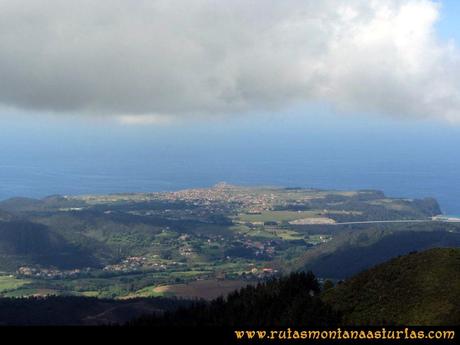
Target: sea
(399, 160)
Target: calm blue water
(400, 160)
(39, 181)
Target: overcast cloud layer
(195, 58)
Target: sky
(80, 81)
(157, 62)
(448, 25)
(157, 65)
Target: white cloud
(140, 120)
(204, 57)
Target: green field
(206, 289)
(288, 235)
(9, 283)
(276, 216)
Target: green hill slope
(416, 289)
(23, 243)
(352, 252)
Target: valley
(217, 239)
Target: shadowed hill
(23, 242)
(73, 310)
(21, 205)
(416, 289)
(352, 252)
(5, 216)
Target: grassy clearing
(262, 233)
(32, 291)
(206, 289)
(8, 283)
(317, 239)
(148, 291)
(288, 235)
(90, 293)
(276, 216)
(187, 274)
